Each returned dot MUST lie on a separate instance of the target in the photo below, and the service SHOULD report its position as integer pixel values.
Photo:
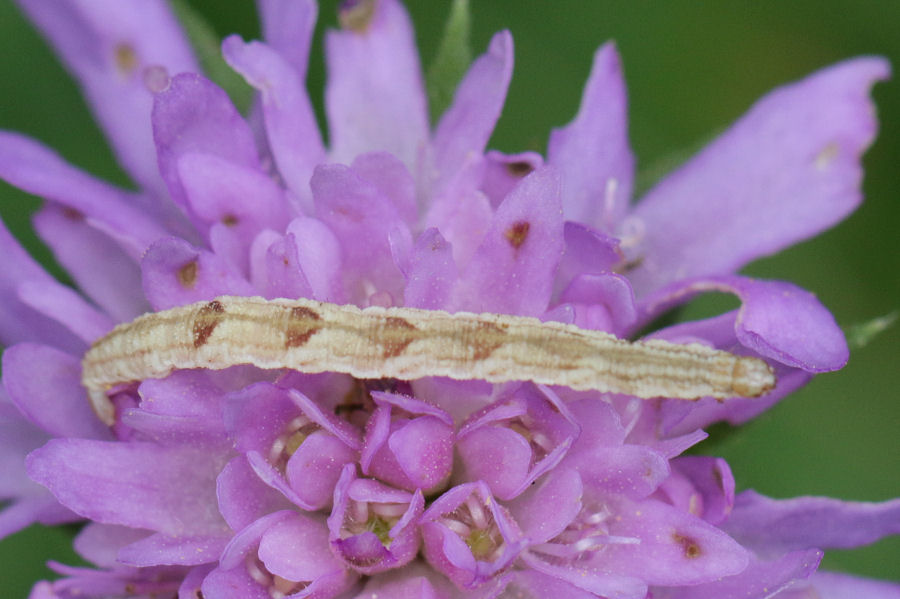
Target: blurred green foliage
(692, 68)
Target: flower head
(255, 483)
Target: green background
(692, 68)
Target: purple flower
(255, 483)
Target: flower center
(475, 524)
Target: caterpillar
(407, 344)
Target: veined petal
(291, 128)
(787, 170)
(759, 578)
(174, 273)
(832, 585)
(777, 320)
(192, 114)
(374, 96)
(142, 485)
(512, 270)
(19, 322)
(107, 45)
(40, 171)
(45, 384)
(287, 26)
(771, 526)
(592, 152)
(431, 274)
(100, 267)
(466, 127)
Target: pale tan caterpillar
(406, 344)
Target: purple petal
(40, 171)
(777, 320)
(296, 548)
(785, 171)
(217, 190)
(459, 512)
(711, 485)
(832, 585)
(502, 172)
(107, 45)
(592, 151)
(512, 270)
(374, 96)
(777, 525)
(461, 212)
(759, 579)
(257, 415)
(60, 303)
(194, 115)
(588, 252)
(362, 217)
(675, 548)
(45, 384)
(545, 509)
(23, 512)
(243, 497)
(100, 543)
(602, 302)
(320, 257)
(175, 274)
(142, 485)
(466, 126)
(279, 272)
(159, 549)
(431, 273)
(409, 443)
(18, 322)
(291, 128)
(596, 581)
(314, 468)
(681, 417)
(97, 264)
(287, 26)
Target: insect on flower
(408, 343)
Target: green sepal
(452, 60)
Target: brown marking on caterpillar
(517, 233)
(206, 321)
(519, 169)
(187, 275)
(399, 333)
(488, 338)
(299, 327)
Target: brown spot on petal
(356, 15)
(207, 319)
(519, 169)
(126, 58)
(301, 326)
(398, 334)
(187, 275)
(72, 214)
(517, 233)
(229, 220)
(689, 546)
